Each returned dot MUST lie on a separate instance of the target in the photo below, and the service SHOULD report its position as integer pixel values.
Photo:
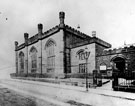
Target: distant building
(59, 51)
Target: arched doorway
(119, 64)
(118, 71)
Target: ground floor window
(50, 63)
(82, 68)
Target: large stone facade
(58, 51)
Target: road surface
(61, 94)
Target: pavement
(104, 91)
(67, 81)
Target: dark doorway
(118, 71)
(119, 63)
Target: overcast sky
(113, 20)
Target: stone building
(58, 51)
(121, 58)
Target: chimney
(16, 45)
(61, 17)
(93, 33)
(26, 36)
(40, 28)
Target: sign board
(103, 67)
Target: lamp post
(86, 56)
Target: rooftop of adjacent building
(120, 47)
(126, 48)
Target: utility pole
(87, 54)
(41, 59)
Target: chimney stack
(61, 17)
(40, 28)
(93, 33)
(26, 36)
(16, 45)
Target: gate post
(115, 81)
(94, 77)
(99, 83)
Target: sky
(113, 21)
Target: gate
(123, 81)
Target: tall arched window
(33, 54)
(50, 50)
(21, 61)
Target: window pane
(82, 68)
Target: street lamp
(86, 56)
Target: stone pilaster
(26, 37)
(40, 33)
(16, 57)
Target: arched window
(80, 53)
(21, 61)
(50, 50)
(33, 54)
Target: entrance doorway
(118, 70)
(119, 64)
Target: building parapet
(76, 32)
(91, 40)
(51, 31)
(123, 49)
(33, 39)
(36, 37)
(101, 42)
(87, 39)
(21, 46)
